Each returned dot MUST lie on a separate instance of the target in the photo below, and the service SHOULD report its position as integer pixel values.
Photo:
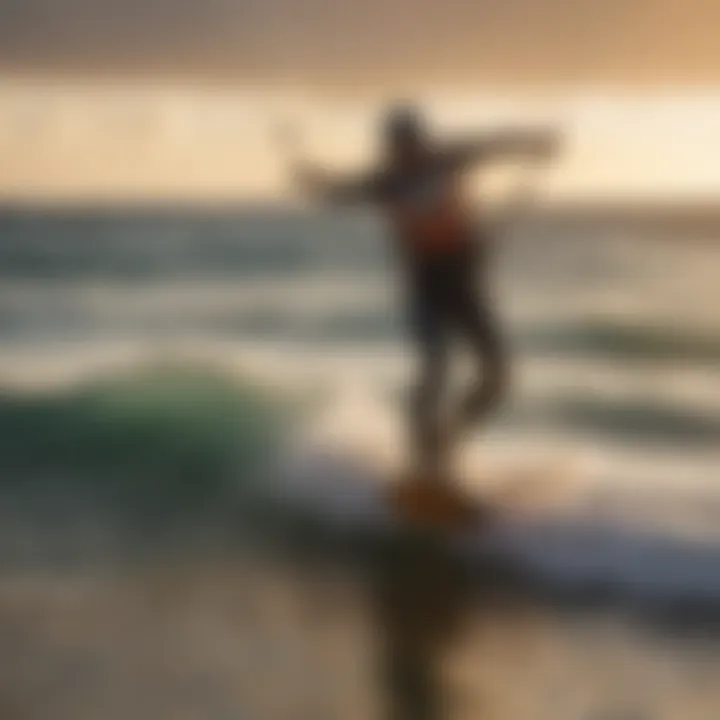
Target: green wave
(165, 435)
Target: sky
(179, 98)
(366, 42)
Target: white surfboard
(542, 528)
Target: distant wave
(604, 339)
(172, 243)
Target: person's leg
(475, 319)
(427, 446)
(432, 493)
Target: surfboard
(538, 526)
(457, 503)
(437, 502)
(358, 489)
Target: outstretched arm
(320, 185)
(534, 144)
(313, 181)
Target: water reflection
(421, 600)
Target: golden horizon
(90, 141)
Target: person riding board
(420, 187)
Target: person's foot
(434, 501)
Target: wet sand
(411, 634)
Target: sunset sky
(371, 41)
(178, 98)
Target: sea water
(157, 363)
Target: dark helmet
(403, 123)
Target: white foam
(572, 546)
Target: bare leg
(428, 447)
(477, 324)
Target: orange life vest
(432, 217)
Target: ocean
(162, 367)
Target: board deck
(437, 503)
